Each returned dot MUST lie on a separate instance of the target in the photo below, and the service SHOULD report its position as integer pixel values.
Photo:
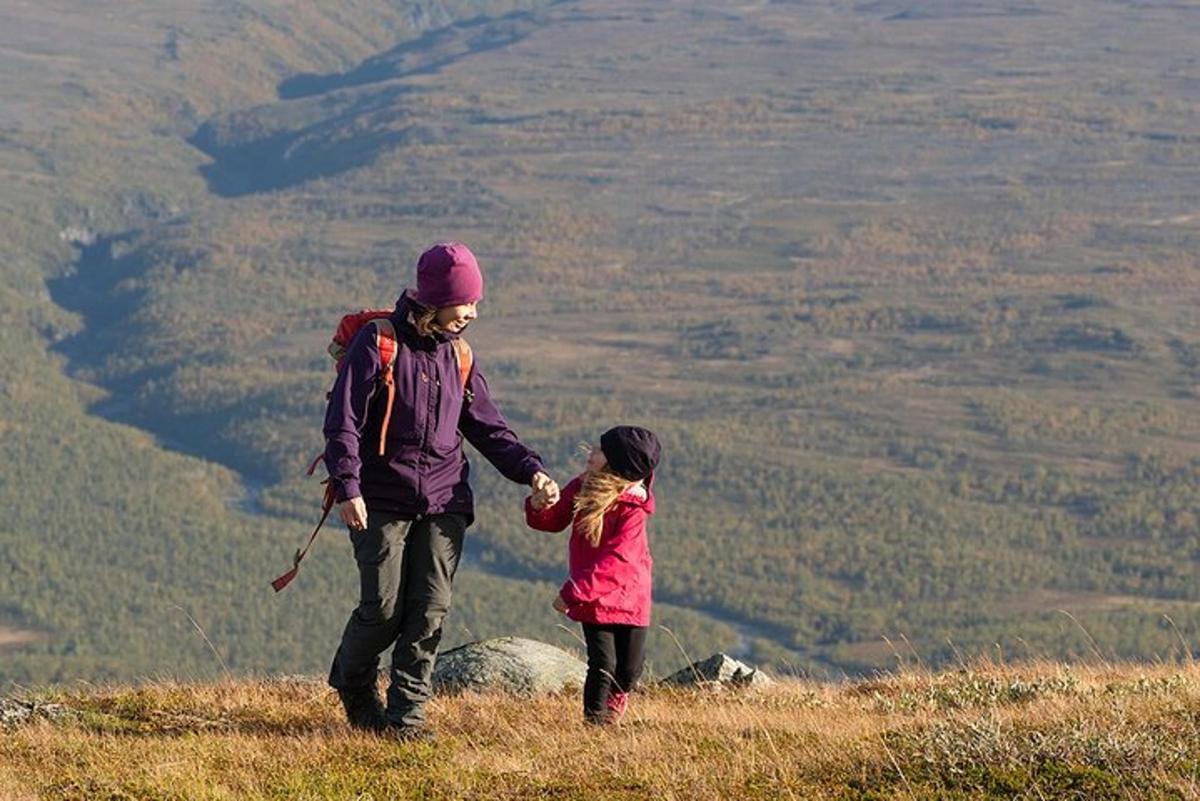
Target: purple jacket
(423, 470)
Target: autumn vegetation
(914, 316)
(979, 731)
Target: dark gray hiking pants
(405, 568)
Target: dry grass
(1035, 731)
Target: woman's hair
(600, 488)
(425, 320)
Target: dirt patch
(883, 465)
(842, 347)
(14, 638)
(1075, 602)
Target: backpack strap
(465, 359)
(385, 341)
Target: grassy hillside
(909, 290)
(116, 536)
(980, 732)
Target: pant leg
(631, 656)
(430, 561)
(602, 665)
(375, 622)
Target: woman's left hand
(559, 604)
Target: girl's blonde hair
(600, 489)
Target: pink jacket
(609, 583)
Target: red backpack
(385, 342)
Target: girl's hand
(559, 604)
(545, 491)
(538, 501)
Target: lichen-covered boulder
(508, 664)
(14, 712)
(719, 671)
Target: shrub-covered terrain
(908, 288)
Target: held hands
(560, 605)
(354, 513)
(545, 491)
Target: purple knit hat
(448, 275)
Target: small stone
(13, 713)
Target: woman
(406, 500)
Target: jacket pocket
(449, 408)
(404, 422)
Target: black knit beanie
(632, 452)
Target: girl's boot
(617, 704)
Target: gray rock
(719, 671)
(508, 664)
(14, 712)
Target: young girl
(609, 587)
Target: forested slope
(908, 289)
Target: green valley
(908, 287)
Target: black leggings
(615, 656)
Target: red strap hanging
(286, 579)
(385, 339)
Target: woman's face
(455, 319)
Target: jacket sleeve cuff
(348, 488)
(532, 468)
(532, 516)
(567, 593)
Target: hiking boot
(617, 704)
(421, 733)
(364, 710)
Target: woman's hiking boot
(421, 733)
(364, 710)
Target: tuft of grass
(967, 688)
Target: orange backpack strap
(385, 340)
(465, 358)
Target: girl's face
(455, 319)
(596, 459)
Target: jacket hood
(638, 494)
